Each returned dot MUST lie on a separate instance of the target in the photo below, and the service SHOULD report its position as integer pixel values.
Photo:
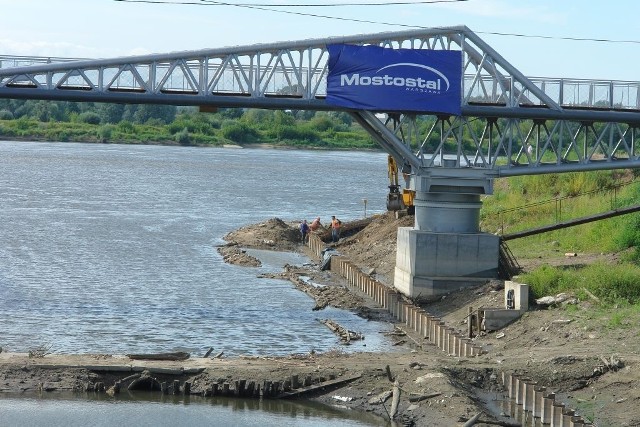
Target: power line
(268, 8)
(538, 36)
(219, 3)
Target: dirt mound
(375, 246)
(274, 234)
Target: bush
(89, 117)
(6, 115)
(183, 137)
(240, 132)
(105, 133)
(6, 131)
(126, 127)
(59, 135)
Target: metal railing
(556, 204)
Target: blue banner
(383, 79)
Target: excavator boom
(397, 200)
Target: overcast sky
(109, 28)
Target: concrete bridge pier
(445, 250)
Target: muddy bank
(559, 348)
(362, 381)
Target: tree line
(150, 123)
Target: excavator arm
(397, 200)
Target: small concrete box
(516, 302)
(516, 296)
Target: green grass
(611, 284)
(522, 203)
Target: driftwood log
(346, 336)
(395, 401)
(178, 355)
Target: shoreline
(362, 381)
(170, 143)
(550, 348)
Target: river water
(112, 248)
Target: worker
(335, 229)
(304, 230)
(315, 224)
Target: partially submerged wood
(346, 336)
(319, 386)
(178, 355)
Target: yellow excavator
(396, 200)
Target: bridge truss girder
(511, 146)
(515, 109)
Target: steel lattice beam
(571, 124)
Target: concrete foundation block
(430, 264)
(567, 416)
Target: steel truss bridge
(510, 125)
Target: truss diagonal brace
(514, 72)
(385, 137)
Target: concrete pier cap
(445, 251)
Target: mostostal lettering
(387, 80)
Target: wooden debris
(395, 401)
(321, 385)
(381, 398)
(420, 398)
(395, 333)
(592, 296)
(178, 355)
(561, 321)
(208, 352)
(473, 420)
(346, 336)
(389, 376)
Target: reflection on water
(154, 409)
